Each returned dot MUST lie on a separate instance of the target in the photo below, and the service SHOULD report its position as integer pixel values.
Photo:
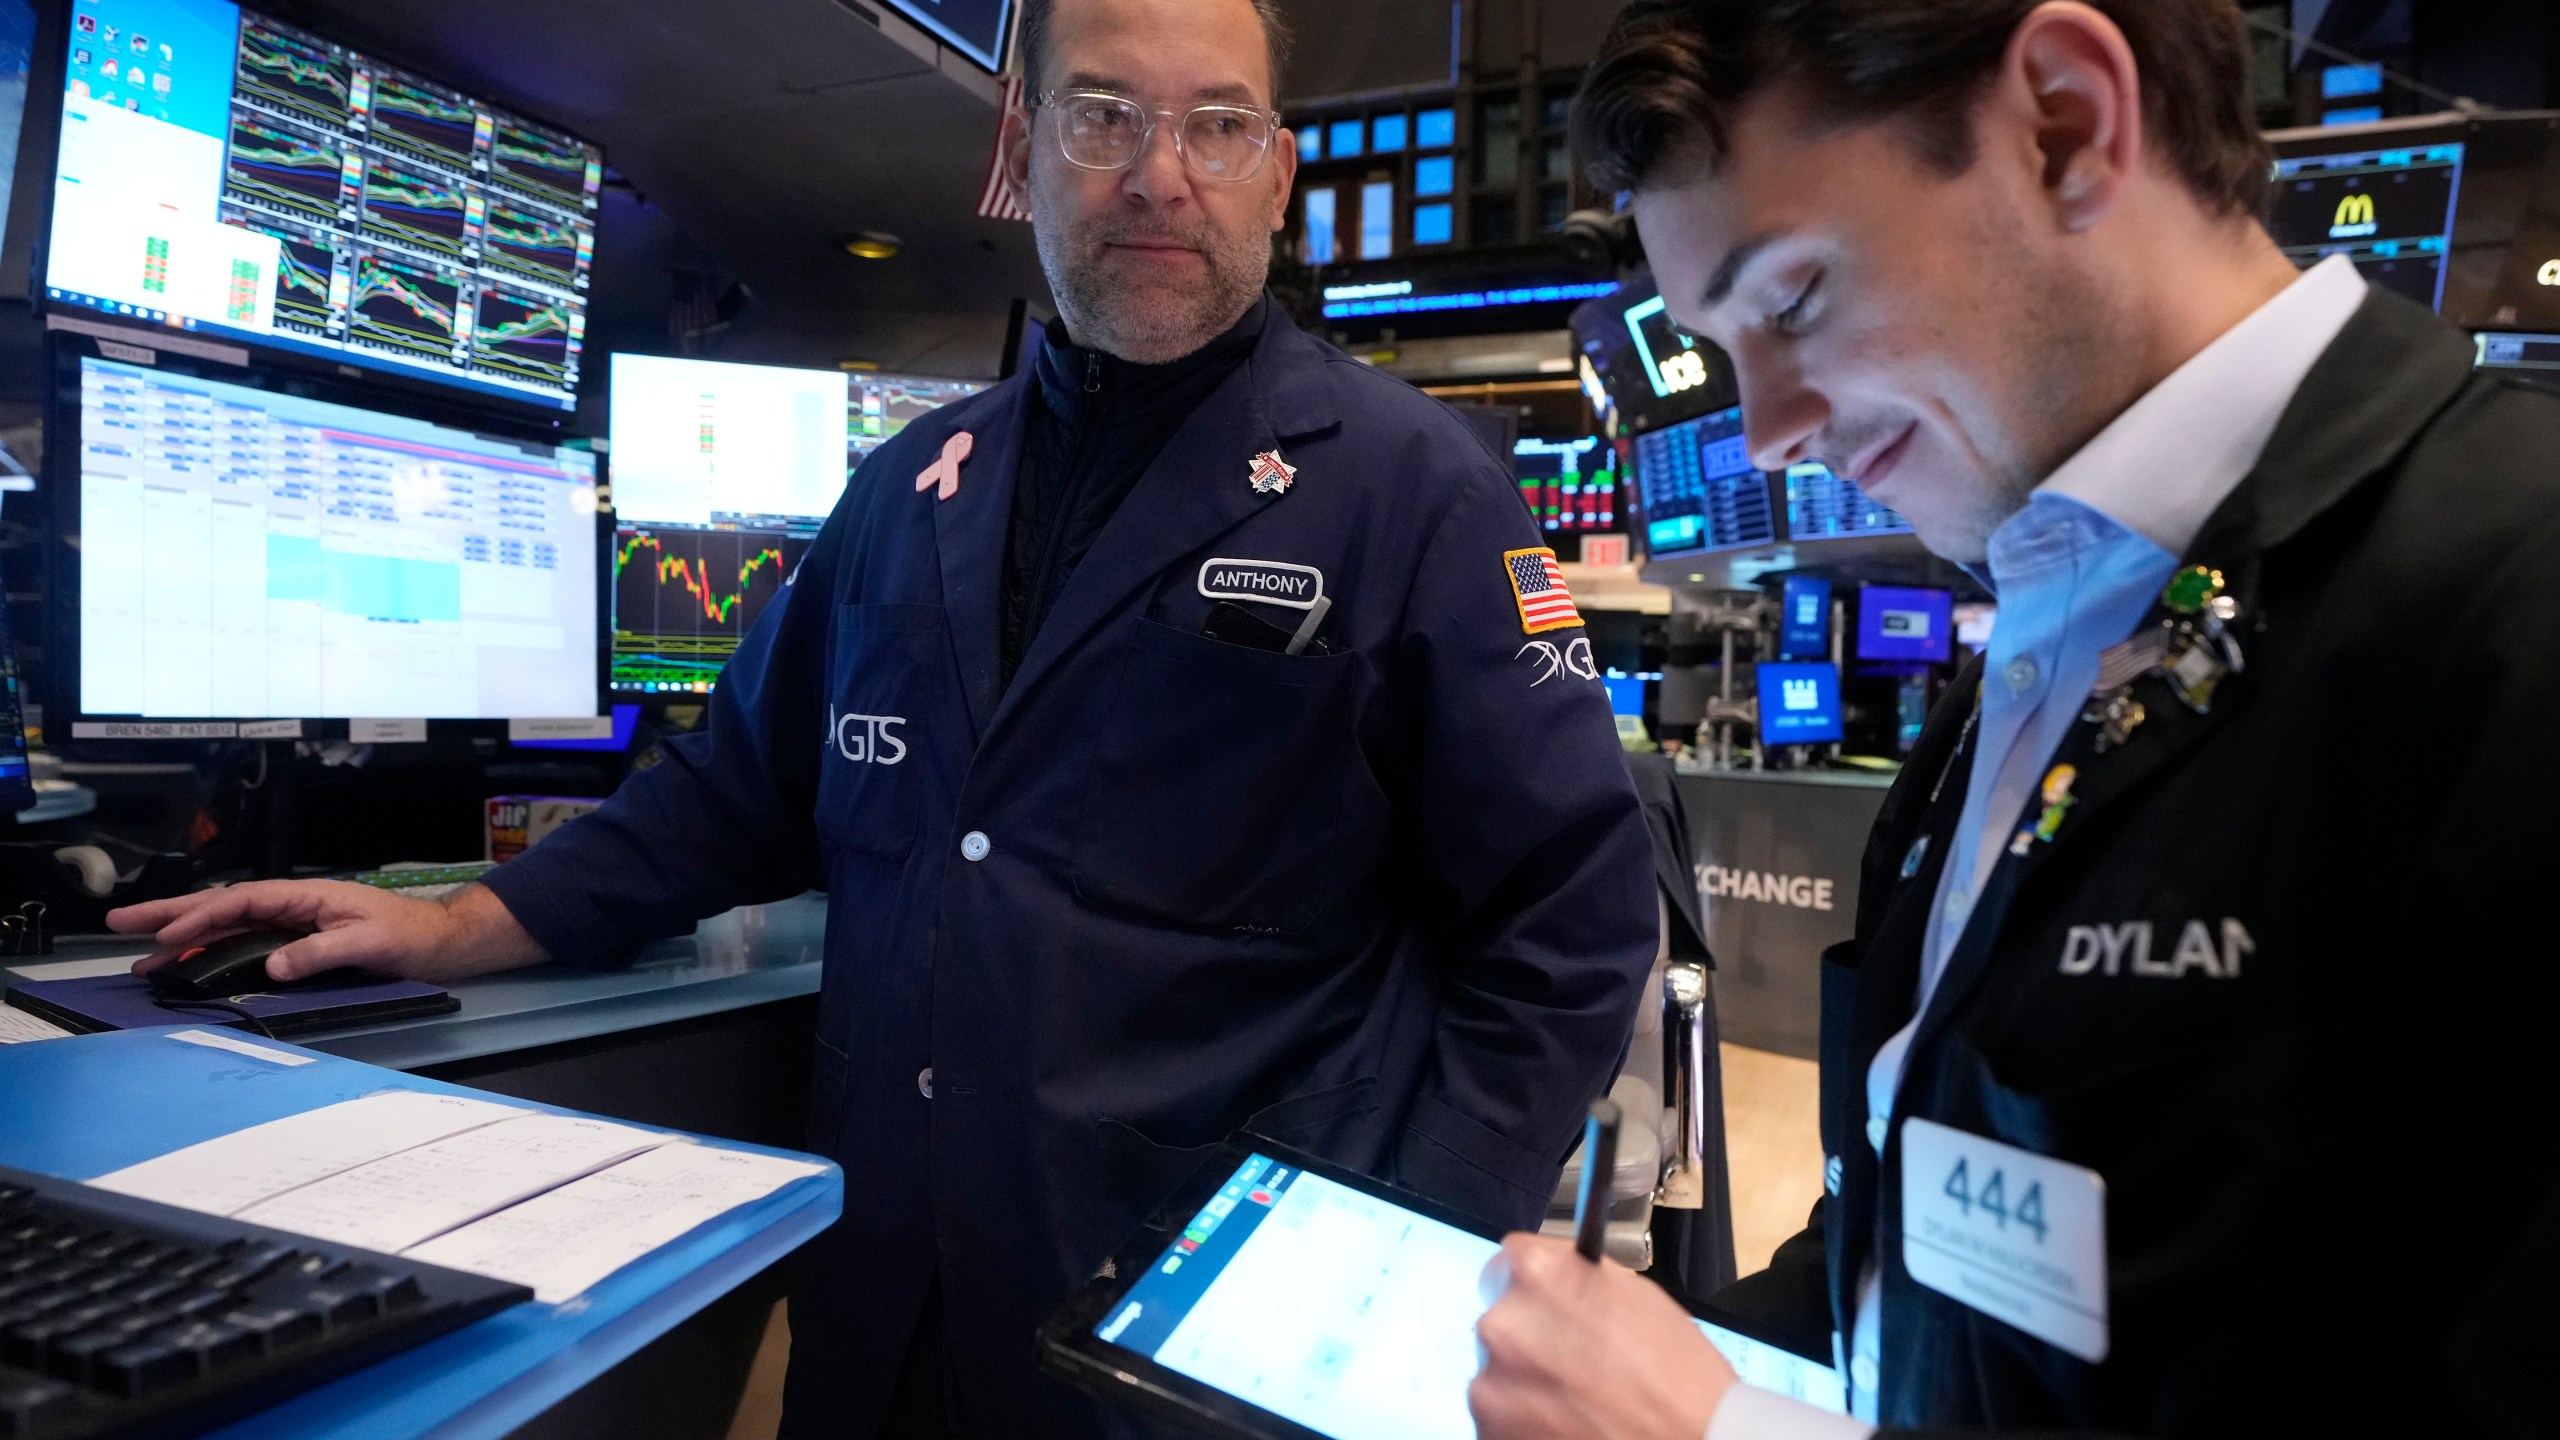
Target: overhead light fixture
(873, 245)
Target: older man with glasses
(1190, 734)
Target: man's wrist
(482, 936)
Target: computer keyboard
(423, 882)
(127, 1318)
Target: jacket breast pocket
(1229, 791)
(886, 667)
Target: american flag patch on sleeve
(1537, 585)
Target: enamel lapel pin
(1271, 475)
(945, 472)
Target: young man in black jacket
(2181, 1078)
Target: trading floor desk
(709, 1033)
(1778, 856)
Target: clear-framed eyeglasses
(1098, 130)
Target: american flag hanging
(1537, 584)
(998, 200)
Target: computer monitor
(2385, 202)
(1649, 370)
(1701, 491)
(1896, 623)
(242, 560)
(1799, 704)
(2532, 359)
(883, 405)
(722, 475)
(1804, 618)
(223, 173)
(17, 60)
(1824, 506)
(978, 29)
(17, 779)
(1570, 486)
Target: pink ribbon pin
(945, 472)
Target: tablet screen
(1343, 1312)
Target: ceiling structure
(754, 137)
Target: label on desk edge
(2018, 1236)
(212, 1041)
(155, 730)
(566, 727)
(386, 732)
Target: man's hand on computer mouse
(1577, 1351)
(465, 934)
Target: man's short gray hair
(1034, 45)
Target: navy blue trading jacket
(1391, 903)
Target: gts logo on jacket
(2127, 949)
(861, 738)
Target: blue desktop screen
(1804, 619)
(1799, 704)
(1895, 623)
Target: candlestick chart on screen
(293, 72)
(438, 126)
(523, 239)
(280, 167)
(683, 598)
(402, 307)
(524, 335)
(411, 207)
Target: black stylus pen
(1599, 1161)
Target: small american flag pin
(1271, 475)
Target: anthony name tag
(1272, 582)
(2019, 1236)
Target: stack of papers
(555, 1202)
(18, 1027)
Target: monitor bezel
(418, 386)
(60, 478)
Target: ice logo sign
(1800, 695)
(1905, 624)
(1808, 609)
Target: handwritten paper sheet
(416, 1194)
(563, 1242)
(230, 1173)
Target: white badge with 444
(2019, 1236)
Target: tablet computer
(1279, 1296)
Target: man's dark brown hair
(1037, 15)
(1672, 70)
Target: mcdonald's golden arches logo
(2354, 218)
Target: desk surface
(81, 1107)
(746, 957)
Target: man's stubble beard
(2072, 372)
(1160, 322)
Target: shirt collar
(2173, 457)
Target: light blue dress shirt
(2071, 582)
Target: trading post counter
(709, 1032)
(1777, 860)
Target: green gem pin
(2192, 589)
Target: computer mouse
(232, 965)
